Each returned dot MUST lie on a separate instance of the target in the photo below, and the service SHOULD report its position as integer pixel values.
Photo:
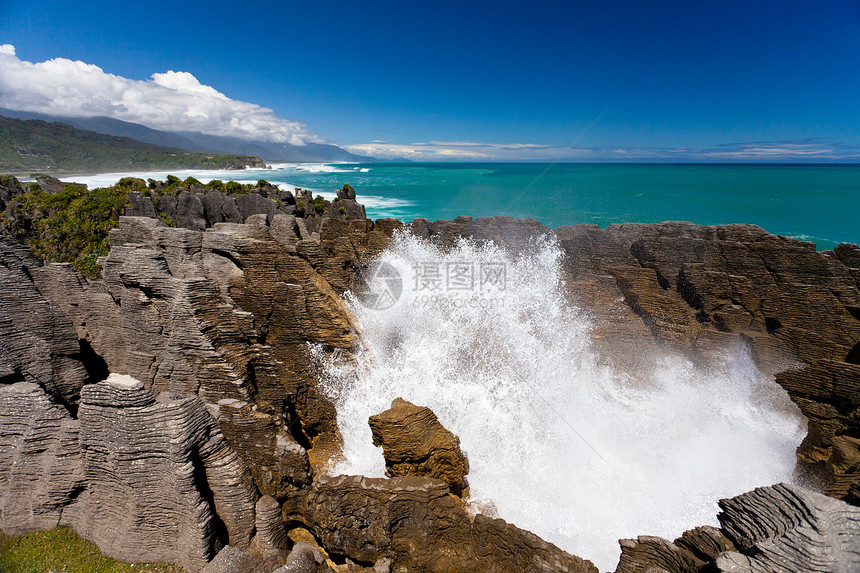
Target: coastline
(809, 202)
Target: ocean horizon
(811, 202)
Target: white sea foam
(561, 443)
(321, 168)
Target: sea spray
(559, 441)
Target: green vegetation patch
(63, 550)
(72, 226)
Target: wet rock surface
(415, 443)
(418, 525)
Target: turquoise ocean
(819, 203)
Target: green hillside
(35, 145)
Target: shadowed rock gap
(854, 355)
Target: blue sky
(573, 80)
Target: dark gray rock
(304, 558)
(38, 343)
(789, 528)
(271, 530)
(346, 192)
(233, 560)
(41, 471)
(162, 483)
(51, 185)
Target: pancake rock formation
(171, 410)
(779, 528)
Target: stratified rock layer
(789, 528)
(223, 318)
(416, 523)
(37, 341)
(415, 443)
(162, 483)
(40, 459)
(784, 528)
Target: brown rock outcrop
(415, 443)
(416, 523)
(828, 394)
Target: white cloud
(795, 150)
(469, 151)
(171, 101)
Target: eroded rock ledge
(213, 320)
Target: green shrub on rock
(235, 188)
(72, 226)
(215, 185)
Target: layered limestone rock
(198, 209)
(41, 472)
(828, 393)
(417, 524)
(223, 317)
(226, 314)
(779, 528)
(789, 528)
(690, 553)
(162, 483)
(37, 340)
(415, 443)
(271, 531)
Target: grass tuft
(62, 550)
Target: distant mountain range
(199, 142)
(34, 145)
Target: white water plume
(558, 441)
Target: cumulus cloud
(171, 101)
